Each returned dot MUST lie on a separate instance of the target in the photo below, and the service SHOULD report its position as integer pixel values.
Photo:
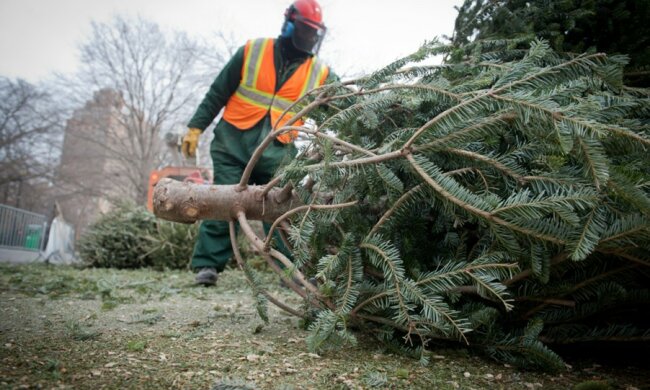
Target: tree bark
(188, 202)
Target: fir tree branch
(390, 87)
(424, 301)
(590, 164)
(438, 118)
(370, 300)
(466, 270)
(380, 320)
(543, 203)
(558, 116)
(580, 285)
(584, 60)
(348, 285)
(441, 276)
(393, 208)
(292, 285)
(476, 211)
(257, 242)
(566, 182)
(629, 134)
(431, 335)
(333, 139)
(241, 264)
(494, 94)
(299, 209)
(396, 279)
(300, 276)
(487, 160)
(359, 161)
(486, 185)
(395, 325)
(445, 194)
(284, 228)
(584, 244)
(623, 234)
(319, 134)
(557, 259)
(458, 135)
(507, 306)
(527, 352)
(376, 159)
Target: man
(261, 80)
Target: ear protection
(287, 29)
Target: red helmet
(303, 22)
(309, 10)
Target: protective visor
(308, 35)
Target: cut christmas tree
(500, 201)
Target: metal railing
(21, 229)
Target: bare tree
(153, 78)
(30, 125)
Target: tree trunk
(189, 202)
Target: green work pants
(230, 150)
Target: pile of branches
(500, 201)
(129, 236)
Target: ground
(63, 327)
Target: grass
(62, 327)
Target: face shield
(307, 35)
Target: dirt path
(92, 329)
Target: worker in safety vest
(255, 87)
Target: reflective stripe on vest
(256, 96)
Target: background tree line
(99, 132)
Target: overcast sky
(38, 37)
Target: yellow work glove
(190, 142)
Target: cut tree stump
(189, 202)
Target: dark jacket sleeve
(224, 85)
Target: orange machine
(191, 174)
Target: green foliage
(329, 331)
(571, 26)
(261, 301)
(502, 202)
(131, 237)
(136, 345)
(376, 379)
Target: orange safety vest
(256, 95)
